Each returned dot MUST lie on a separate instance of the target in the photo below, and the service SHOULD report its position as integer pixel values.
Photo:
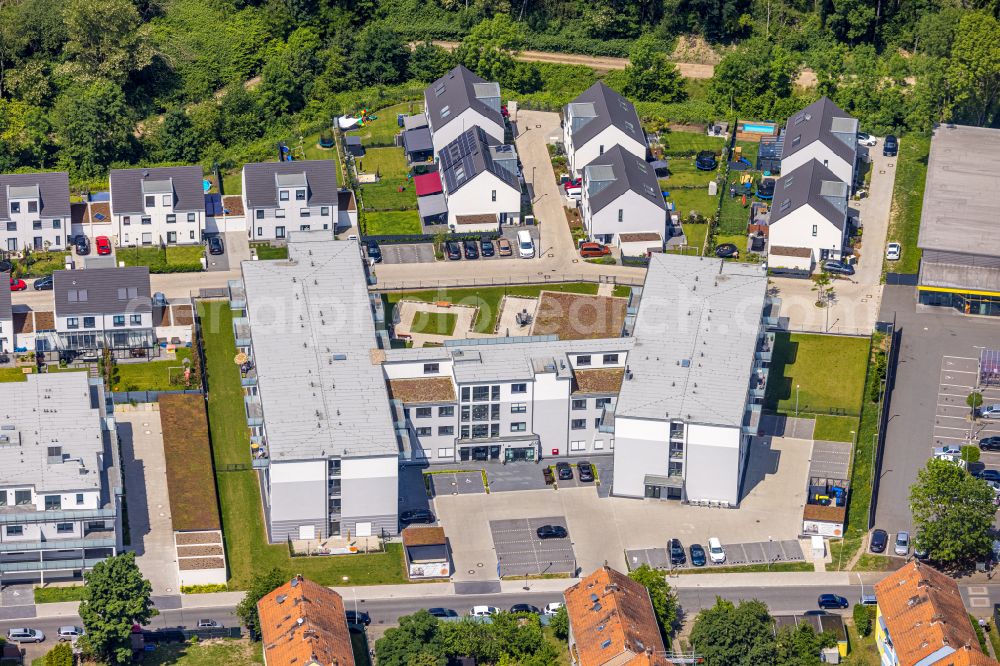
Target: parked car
(988, 474)
(25, 635)
(880, 539)
(697, 555)
(990, 411)
(552, 532)
(209, 624)
(838, 268)
(866, 139)
(585, 470)
(487, 247)
(676, 552)
(902, 547)
(442, 612)
(503, 247)
(215, 245)
(525, 608)
(893, 251)
(727, 250)
(588, 250)
(891, 146)
(70, 633)
(358, 617)
(920, 552)
(716, 551)
(374, 252)
(17, 284)
(43, 283)
(103, 245)
(416, 516)
(564, 471)
(483, 611)
(706, 161)
(832, 601)
(471, 249)
(990, 443)
(82, 244)
(453, 250)
(525, 245)
(159, 300)
(552, 608)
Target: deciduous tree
(418, 636)
(973, 73)
(116, 597)
(107, 39)
(380, 56)
(953, 513)
(650, 76)
(663, 597)
(728, 633)
(93, 127)
(262, 585)
(429, 62)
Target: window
(578, 424)
(446, 453)
(598, 444)
(303, 227)
(495, 412)
(118, 320)
(147, 238)
(260, 231)
(171, 219)
(15, 530)
(518, 388)
(279, 232)
(431, 368)
(167, 199)
(446, 430)
(600, 403)
(446, 411)
(191, 217)
(583, 360)
(480, 393)
(135, 319)
(495, 392)
(57, 224)
(610, 359)
(88, 322)
(324, 211)
(518, 426)
(58, 240)
(150, 202)
(579, 403)
(597, 423)
(280, 213)
(480, 412)
(481, 430)
(465, 432)
(79, 498)
(304, 212)
(283, 195)
(12, 226)
(64, 528)
(493, 195)
(425, 432)
(53, 502)
(3, 498)
(494, 430)
(36, 224)
(465, 413)
(191, 234)
(600, 149)
(147, 220)
(260, 214)
(15, 206)
(424, 412)
(300, 195)
(465, 394)
(612, 443)
(72, 322)
(578, 446)
(171, 236)
(814, 230)
(518, 408)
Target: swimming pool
(759, 128)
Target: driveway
(406, 253)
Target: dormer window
(32, 206)
(150, 201)
(15, 206)
(300, 195)
(283, 195)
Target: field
(172, 259)
(802, 373)
(392, 222)
(390, 165)
(908, 201)
(151, 376)
(382, 130)
(835, 428)
(206, 653)
(434, 323)
(239, 493)
(687, 185)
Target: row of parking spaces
(953, 424)
(759, 552)
(456, 483)
(521, 553)
(423, 253)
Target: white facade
(822, 153)
(629, 213)
(7, 336)
(158, 223)
(578, 157)
(27, 229)
(292, 212)
(483, 195)
(805, 227)
(469, 118)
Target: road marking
(958, 385)
(964, 372)
(979, 602)
(950, 428)
(978, 589)
(962, 358)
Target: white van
(525, 246)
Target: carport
(826, 494)
(418, 145)
(432, 208)
(428, 183)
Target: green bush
(204, 589)
(61, 654)
(975, 400)
(880, 369)
(970, 454)
(979, 633)
(862, 619)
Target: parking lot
(521, 553)
(423, 253)
(758, 552)
(456, 483)
(952, 425)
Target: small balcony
(607, 424)
(241, 331)
(255, 413)
(237, 295)
(677, 453)
(677, 432)
(248, 376)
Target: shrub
(862, 619)
(970, 454)
(203, 589)
(975, 400)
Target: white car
(69, 633)
(867, 139)
(483, 611)
(552, 608)
(209, 624)
(892, 251)
(715, 550)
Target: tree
(418, 636)
(260, 587)
(973, 72)
(664, 599)
(650, 76)
(429, 62)
(93, 127)
(729, 634)
(974, 400)
(971, 453)
(751, 79)
(175, 138)
(560, 623)
(488, 49)
(862, 619)
(822, 283)
(107, 39)
(380, 56)
(61, 654)
(116, 597)
(953, 512)
(801, 645)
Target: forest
(89, 85)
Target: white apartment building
(34, 211)
(621, 196)
(823, 132)
(60, 479)
(597, 120)
(280, 197)
(321, 426)
(480, 184)
(158, 206)
(459, 101)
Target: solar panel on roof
(99, 217)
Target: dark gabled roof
(53, 192)
(814, 185)
(468, 156)
(99, 291)
(127, 193)
(822, 121)
(610, 109)
(627, 172)
(5, 310)
(261, 187)
(456, 92)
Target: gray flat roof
(50, 410)
(960, 209)
(695, 338)
(320, 384)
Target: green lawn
(172, 259)
(835, 428)
(690, 143)
(739, 240)
(686, 200)
(214, 653)
(826, 372)
(232, 182)
(696, 234)
(908, 201)
(380, 132)
(734, 216)
(750, 150)
(434, 323)
(152, 375)
(239, 493)
(487, 299)
(392, 222)
(12, 375)
(683, 173)
(48, 595)
(266, 251)
(622, 291)
(38, 264)
(390, 165)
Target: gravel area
(200, 537)
(195, 563)
(191, 551)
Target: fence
(430, 238)
(181, 634)
(128, 397)
(511, 281)
(892, 357)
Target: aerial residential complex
(279, 197)
(594, 122)
(480, 182)
(458, 101)
(60, 479)
(34, 211)
(823, 132)
(621, 197)
(156, 206)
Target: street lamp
(796, 400)
(769, 551)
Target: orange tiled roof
(303, 623)
(612, 618)
(923, 612)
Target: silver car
(902, 544)
(25, 635)
(990, 411)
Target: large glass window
(53, 502)
(480, 412)
(424, 412)
(579, 403)
(465, 413)
(480, 393)
(22, 497)
(480, 431)
(447, 410)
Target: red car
(588, 250)
(17, 285)
(103, 245)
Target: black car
(838, 268)
(488, 248)
(564, 471)
(832, 601)
(82, 244)
(358, 617)
(525, 608)
(42, 283)
(676, 552)
(552, 532)
(989, 475)
(215, 245)
(706, 161)
(585, 470)
(880, 539)
(891, 146)
(727, 250)
(417, 516)
(454, 250)
(697, 555)
(986, 443)
(471, 249)
(374, 252)
(442, 612)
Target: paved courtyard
(758, 552)
(521, 553)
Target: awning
(417, 140)
(428, 183)
(664, 481)
(431, 206)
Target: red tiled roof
(303, 623)
(428, 183)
